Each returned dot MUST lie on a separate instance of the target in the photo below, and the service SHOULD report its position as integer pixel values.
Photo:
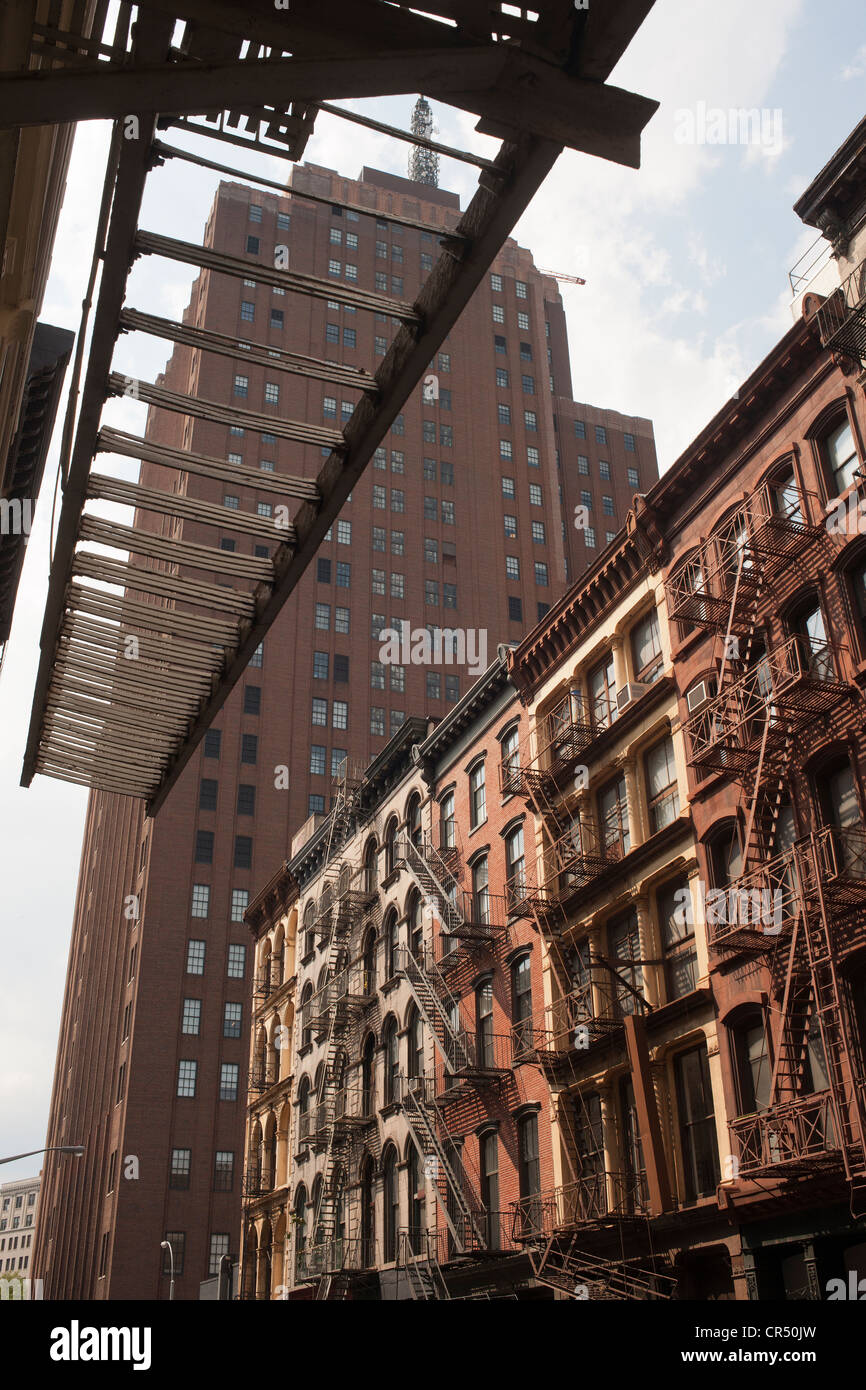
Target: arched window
(368, 1069)
(304, 1119)
(309, 934)
(484, 1024)
(724, 855)
(447, 822)
(368, 1212)
(416, 1044)
(840, 455)
(391, 846)
(300, 1223)
(391, 934)
(391, 1200)
(413, 819)
(391, 1048)
(414, 1178)
(480, 891)
(415, 915)
(371, 867)
(307, 1015)
(784, 495)
(806, 621)
(369, 963)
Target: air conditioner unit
(699, 695)
(629, 694)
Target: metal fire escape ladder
(422, 1269)
(431, 874)
(426, 982)
(450, 1172)
(577, 1273)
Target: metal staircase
(562, 1265)
(421, 1267)
(455, 1189)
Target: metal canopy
(536, 79)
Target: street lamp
(166, 1245)
(76, 1149)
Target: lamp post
(166, 1245)
(76, 1149)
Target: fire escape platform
(537, 81)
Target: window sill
(305, 1050)
(310, 956)
(392, 1108)
(391, 984)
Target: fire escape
(467, 1060)
(564, 1230)
(797, 903)
(340, 1109)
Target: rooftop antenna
(423, 163)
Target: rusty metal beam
(658, 1178)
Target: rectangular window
(510, 526)
(232, 1019)
(603, 469)
(515, 609)
(397, 585)
(249, 748)
(341, 669)
(628, 441)
(523, 322)
(512, 567)
(600, 434)
(607, 506)
(398, 500)
(528, 383)
(495, 282)
(526, 352)
(498, 313)
(248, 311)
(633, 478)
(240, 901)
(195, 957)
(241, 386)
(678, 940)
(341, 619)
(530, 420)
(255, 212)
(340, 718)
(178, 1173)
(377, 720)
(478, 794)
(204, 847)
(520, 289)
(316, 805)
(320, 666)
(662, 793)
(323, 616)
(398, 542)
(449, 595)
(535, 494)
(434, 685)
(229, 1081)
(499, 343)
(191, 1021)
(335, 267)
(344, 533)
(200, 900)
(697, 1123)
(246, 799)
(579, 429)
(444, 361)
(344, 574)
(541, 574)
(338, 757)
(320, 712)
(243, 852)
(252, 699)
(277, 319)
(187, 1071)
(318, 754)
(539, 535)
(252, 246)
(223, 1172)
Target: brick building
(152, 1055)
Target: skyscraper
(465, 522)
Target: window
(628, 441)
(529, 1169)
(229, 1081)
(508, 487)
(320, 666)
(515, 609)
(678, 940)
(223, 1170)
(600, 434)
(391, 1049)
(398, 500)
(284, 221)
(447, 513)
(579, 429)
(340, 719)
(533, 458)
(526, 352)
(200, 900)
(510, 523)
(252, 246)
(191, 1018)
(257, 657)
(661, 775)
(320, 712)
(186, 1077)
(243, 858)
(255, 212)
(341, 619)
(499, 343)
(344, 574)
(338, 757)
(477, 794)
(341, 669)
(323, 616)
(523, 321)
(541, 573)
(446, 472)
(512, 567)
(204, 847)
(613, 817)
(521, 1004)
(697, 1123)
(603, 469)
(195, 957)
(397, 584)
(377, 720)
(538, 533)
(498, 313)
(241, 385)
(495, 283)
(633, 479)
(484, 1021)
(236, 968)
(452, 689)
(232, 1018)
(646, 648)
(249, 748)
(315, 804)
(530, 421)
(176, 1239)
(535, 494)
(248, 310)
(252, 699)
(841, 456)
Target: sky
(686, 265)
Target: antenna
(423, 163)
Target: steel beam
(487, 222)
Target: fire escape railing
(785, 1135)
(593, 1198)
(842, 316)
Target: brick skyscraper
(464, 520)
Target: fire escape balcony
(842, 316)
(759, 908)
(796, 1137)
(722, 580)
(577, 1022)
(476, 1059)
(595, 1199)
(269, 978)
(840, 866)
(342, 913)
(349, 991)
(563, 736)
(254, 1184)
(262, 1078)
(789, 687)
